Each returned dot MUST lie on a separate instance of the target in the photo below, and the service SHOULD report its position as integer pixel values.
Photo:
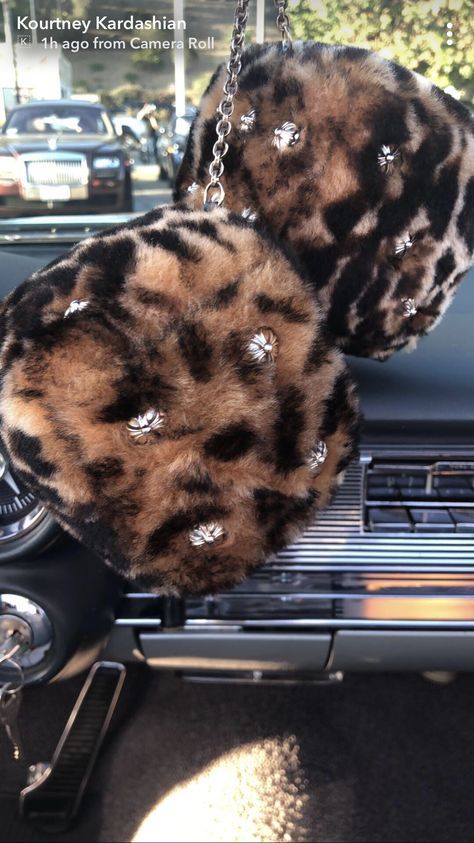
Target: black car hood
(22, 144)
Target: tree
(147, 58)
(432, 37)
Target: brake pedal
(54, 792)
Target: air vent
(419, 497)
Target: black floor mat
(380, 758)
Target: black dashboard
(384, 581)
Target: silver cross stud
(401, 248)
(247, 121)
(141, 427)
(409, 307)
(249, 215)
(204, 534)
(387, 156)
(76, 306)
(263, 347)
(317, 456)
(286, 135)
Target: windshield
(56, 119)
(97, 99)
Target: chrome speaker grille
(339, 542)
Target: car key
(10, 700)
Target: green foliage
(124, 94)
(415, 34)
(147, 58)
(81, 86)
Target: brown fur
(328, 197)
(175, 296)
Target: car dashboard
(383, 581)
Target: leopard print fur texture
(164, 388)
(365, 168)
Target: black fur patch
(231, 443)
(226, 295)
(285, 88)
(283, 307)
(276, 511)
(337, 406)
(135, 393)
(30, 393)
(172, 242)
(319, 263)
(63, 276)
(153, 298)
(466, 217)
(208, 229)
(196, 481)
(444, 266)
(196, 349)
(288, 427)
(442, 200)
(28, 449)
(373, 295)
(106, 468)
(388, 122)
(341, 217)
(28, 314)
(402, 74)
(114, 260)
(253, 78)
(14, 352)
(347, 287)
(318, 354)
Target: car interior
(315, 667)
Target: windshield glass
(56, 119)
(97, 99)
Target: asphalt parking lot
(148, 190)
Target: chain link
(214, 191)
(283, 22)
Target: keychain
(363, 168)
(170, 392)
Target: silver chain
(283, 22)
(214, 191)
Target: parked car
(172, 143)
(62, 157)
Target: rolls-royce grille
(50, 172)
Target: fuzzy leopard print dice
(170, 394)
(364, 168)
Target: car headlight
(8, 168)
(107, 163)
